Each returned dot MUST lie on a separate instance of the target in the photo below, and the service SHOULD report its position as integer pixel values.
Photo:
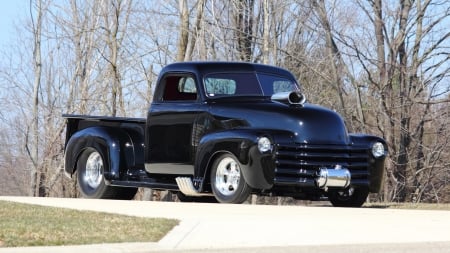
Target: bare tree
(82, 21)
(334, 56)
(115, 14)
(266, 32)
(243, 20)
(183, 36)
(197, 33)
(405, 81)
(33, 144)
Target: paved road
(247, 228)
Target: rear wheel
(91, 181)
(227, 182)
(350, 197)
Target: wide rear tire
(227, 181)
(91, 180)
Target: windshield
(246, 84)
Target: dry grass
(31, 225)
(420, 206)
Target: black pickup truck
(225, 130)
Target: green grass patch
(31, 225)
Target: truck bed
(76, 122)
(103, 118)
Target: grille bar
(321, 154)
(322, 163)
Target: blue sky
(11, 12)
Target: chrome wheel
(93, 175)
(227, 181)
(228, 175)
(91, 180)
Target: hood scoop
(290, 97)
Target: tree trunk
(37, 34)
(334, 55)
(243, 17)
(184, 31)
(116, 27)
(196, 31)
(266, 33)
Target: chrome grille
(299, 163)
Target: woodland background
(382, 64)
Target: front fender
(113, 144)
(376, 165)
(257, 168)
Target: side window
(272, 84)
(282, 86)
(179, 88)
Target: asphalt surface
(262, 228)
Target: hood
(307, 123)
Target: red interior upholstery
(171, 92)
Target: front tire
(227, 182)
(91, 180)
(350, 197)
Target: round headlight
(378, 150)
(264, 144)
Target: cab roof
(205, 67)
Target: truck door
(170, 122)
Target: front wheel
(90, 171)
(227, 182)
(350, 197)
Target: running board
(187, 187)
(152, 185)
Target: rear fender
(115, 145)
